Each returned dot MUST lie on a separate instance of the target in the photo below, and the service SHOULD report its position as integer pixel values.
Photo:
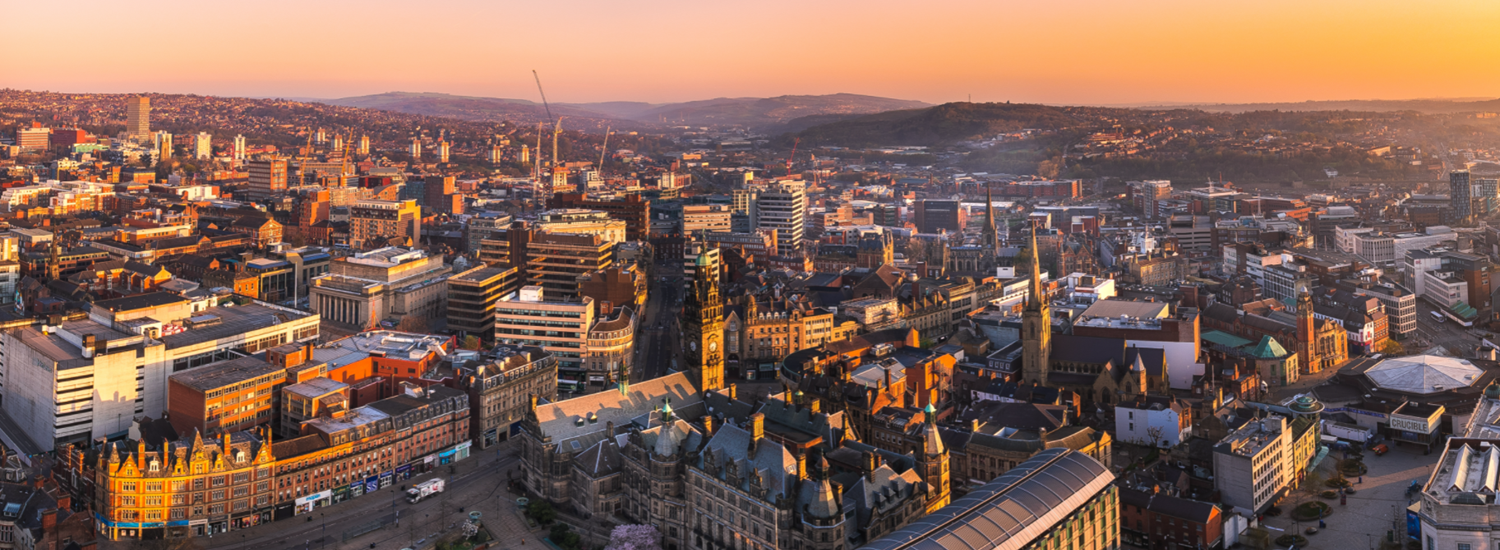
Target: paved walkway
(1377, 502)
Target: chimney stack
(708, 424)
(757, 426)
(872, 463)
(802, 465)
(730, 392)
(814, 405)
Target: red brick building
(227, 396)
(1158, 520)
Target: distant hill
(761, 113)
(945, 123)
(490, 109)
(758, 113)
(1425, 106)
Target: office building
(1149, 194)
(138, 117)
(500, 384)
(484, 225)
(377, 224)
(416, 150)
(937, 216)
(631, 209)
(782, 207)
(531, 316)
(440, 195)
(610, 356)
(472, 296)
(34, 138)
(1260, 462)
(555, 261)
(705, 217)
(79, 380)
(225, 396)
(268, 177)
(576, 221)
(360, 291)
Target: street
(1458, 340)
(659, 340)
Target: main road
(659, 341)
(476, 484)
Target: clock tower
(703, 326)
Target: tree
(1154, 435)
(472, 342)
(413, 323)
(563, 536)
(634, 537)
(541, 511)
(1391, 347)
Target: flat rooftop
(1118, 308)
(408, 346)
(224, 373)
(316, 387)
(232, 321)
(141, 301)
(1253, 437)
(479, 275)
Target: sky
(1098, 52)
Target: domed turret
(1492, 391)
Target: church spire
(991, 239)
(1034, 296)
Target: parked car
(1380, 449)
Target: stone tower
(703, 326)
(932, 462)
(1307, 332)
(1036, 325)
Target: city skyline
(1163, 52)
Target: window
(1463, 546)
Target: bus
(1437, 316)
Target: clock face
(713, 346)
(693, 345)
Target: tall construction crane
(604, 149)
(556, 121)
(556, 131)
(789, 158)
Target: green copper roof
(1268, 349)
(1225, 339)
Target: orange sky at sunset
(1058, 52)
